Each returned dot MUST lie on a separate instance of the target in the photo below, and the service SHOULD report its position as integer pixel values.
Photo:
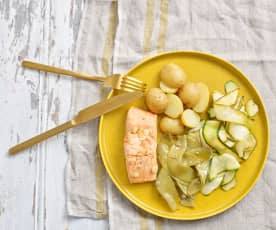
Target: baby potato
(172, 126)
(190, 118)
(172, 75)
(175, 106)
(189, 94)
(204, 95)
(167, 89)
(156, 100)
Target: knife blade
(83, 116)
(105, 106)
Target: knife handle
(41, 137)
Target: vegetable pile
(199, 155)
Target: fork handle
(52, 69)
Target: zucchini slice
(210, 134)
(227, 113)
(222, 134)
(230, 86)
(242, 109)
(222, 163)
(251, 108)
(230, 185)
(217, 167)
(229, 143)
(228, 176)
(216, 95)
(239, 147)
(225, 137)
(230, 161)
(239, 103)
(202, 139)
(211, 113)
(211, 185)
(228, 99)
(202, 170)
(245, 147)
(238, 132)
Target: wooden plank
(64, 19)
(21, 35)
(32, 192)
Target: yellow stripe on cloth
(100, 185)
(161, 43)
(144, 223)
(158, 223)
(148, 26)
(109, 42)
(107, 55)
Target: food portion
(185, 100)
(156, 100)
(204, 95)
(189, 94)
(204, 137)
(140, 145)
(167, 89)
(186, 160)
(190, 118)
(172, 76)
(175, 107)
(167, 189)
(171, 125)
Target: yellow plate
(199, 67)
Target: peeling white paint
(32, 192)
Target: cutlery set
(133, 87)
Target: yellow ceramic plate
(199, 67)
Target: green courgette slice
(228, 99)
(211, 185)
(229, 114)
(230, 86)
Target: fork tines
(132, 84)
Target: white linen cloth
(116, 35)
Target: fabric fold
(240, 32)
(85, 174)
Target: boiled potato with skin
(204, 95)
(167, 89)
(189, 94)
(175, 106)
(156, 100)
(190, 118)
(172, 75)
(172, 126)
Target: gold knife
(83, 116)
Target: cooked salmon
(140, 145)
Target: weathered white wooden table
(32, 183)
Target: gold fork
(115, 81)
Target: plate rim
(249, 188)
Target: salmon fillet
(140, 145)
